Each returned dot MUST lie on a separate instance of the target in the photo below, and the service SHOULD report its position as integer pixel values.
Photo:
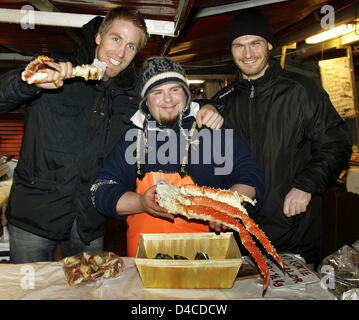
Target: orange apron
(145, 223)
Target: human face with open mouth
(118, 46)
(251, 55)
(165, 102)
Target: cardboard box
(219, 271)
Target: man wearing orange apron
(165, 145)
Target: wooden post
(284, 52)
(356, 120)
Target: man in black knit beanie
(289, 123)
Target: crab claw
(31, 74)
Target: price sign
(336, 77)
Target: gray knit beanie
(250, 22)
(157, 71)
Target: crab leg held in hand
(248, 222)
(205, 208)
(94, 71)
(210, 214)
(31, 74)
(231, 197)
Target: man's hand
(56, 74)
(242, 189)
(210, 117)
(217, 227)
(150, 206)
(132, 203)
(296, 202)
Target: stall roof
(191, 31)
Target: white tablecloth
(46, 280)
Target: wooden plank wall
(11, 130)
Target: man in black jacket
(289, 123)
(70, 127)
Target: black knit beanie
(250, 22)
(157, 71)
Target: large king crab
(224, 207)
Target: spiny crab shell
(222, 206)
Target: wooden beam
(76, 20)
(45, 5)
(211, 11)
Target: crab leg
(88, 72)
(94, 71)
(30, 74)
(210, 214)
(231, 197)
(248, 222)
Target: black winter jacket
(300, 141)
(67, 134)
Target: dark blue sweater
(218, 159)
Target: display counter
(46, 281)
(340, 212)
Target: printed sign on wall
(336, 78)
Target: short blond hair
(127, 14)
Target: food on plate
(85, 267)
(222, 206)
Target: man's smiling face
(118, 46)
(251, 55)
(165, 103)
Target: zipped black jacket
(67, 134)
(300, 141)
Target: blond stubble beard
(257, 74)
